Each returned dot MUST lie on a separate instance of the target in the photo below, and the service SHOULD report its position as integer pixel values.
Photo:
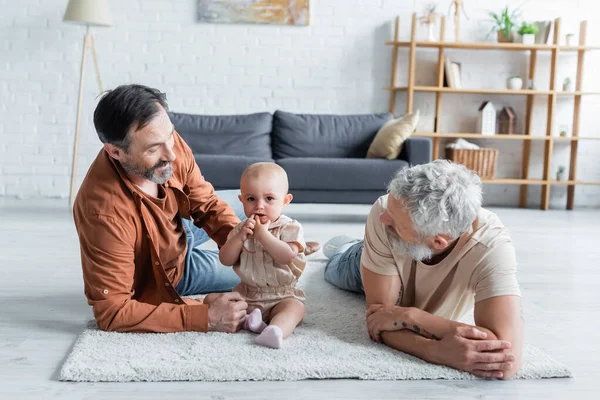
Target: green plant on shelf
(560, 173)
(526, 29)
(504, 22)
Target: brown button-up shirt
(133, 247)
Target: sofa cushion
(236, 135)
(340, 173)
(223, 171)
(332, 136)
(388, 141)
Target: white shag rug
(332, 342)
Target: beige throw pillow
(389, 138)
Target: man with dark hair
(141, 211)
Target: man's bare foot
(312, 247)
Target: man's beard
(150, 173)
(417, 252)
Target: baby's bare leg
(287, 315)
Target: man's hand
(260, 229)
(226, 312)
(247, 230)
(209, 298)
(466, 349)
(381, 318)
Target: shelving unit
(555, 49)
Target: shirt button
(156, 262)
(105, 291)
(176, 300)
(166, 283)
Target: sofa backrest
(236, 135)
(332, 136)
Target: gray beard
(150, 173)
(417, 252)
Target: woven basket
(482, 161)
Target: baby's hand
(247, 230)
(260, 229)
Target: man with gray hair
(430, 254)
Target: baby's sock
(272, 337)
(254, 322)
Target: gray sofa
(323, 155)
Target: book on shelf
(452, 74)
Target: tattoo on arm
(419, 331)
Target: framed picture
(276, 12)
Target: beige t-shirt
(481, 265)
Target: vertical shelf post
(545, 196)
(394, 79)
(576, 114)
(438, 95)
(411, 64)
(528, 122)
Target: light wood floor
(42, 310)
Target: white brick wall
(338, 64)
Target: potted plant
(562, 132)
(560, 174)
(527, 32)
(514, 83)
(569, 39)
(504, 24)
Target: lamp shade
(88, 12)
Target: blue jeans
(343, 268)
(203, 272)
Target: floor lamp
(88, 13)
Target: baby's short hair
(260, 169)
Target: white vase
(570, 40)
(528, 39)
(514, 83)
(431, 34)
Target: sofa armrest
(416, 150)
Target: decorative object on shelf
(568, 84)
(562, 130)
(430, 20)
(530, 84)
(527, 32)
(452, 74)
(504, 24)
(458, 6)
(486, 119)
(88, 13)
(507, 121)
(480, 160)
(560, 173)
(514, 83)
(281, 12)
(543, 31)
(390, 137)
(570, 39)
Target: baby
(267, 253)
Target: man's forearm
(431, 326)
(410, 343)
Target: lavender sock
(254, 322)
(271, 337)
